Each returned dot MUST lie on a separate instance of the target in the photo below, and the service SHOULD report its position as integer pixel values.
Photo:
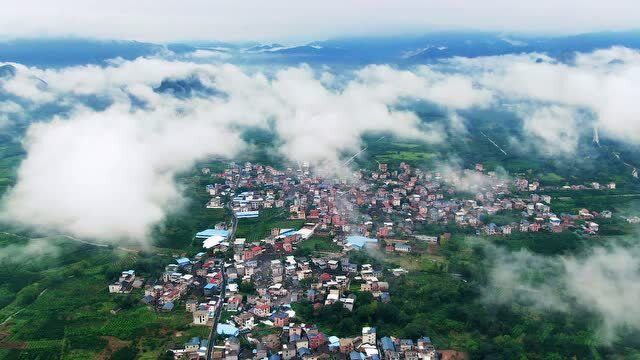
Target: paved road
(216, 319)
(11, 316)
(98, 244)
(493, 142)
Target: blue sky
(298, 21)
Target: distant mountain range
(348, 50)
(429, 47)
(263, 48)
(71, 51)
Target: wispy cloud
(28, 251)
(605, 282)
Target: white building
(369, 335)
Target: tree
(167, 355)
(247, 288)
(126, 353)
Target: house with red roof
(262, 310)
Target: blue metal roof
(226, 329)
(334, 341)
(183, 261)
(247, 214)
(387, 344)
(280, 315)
(194, 341)
(360, 241)
(290, 232)
(204, 234)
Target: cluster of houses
(248, 177)
(126, 283)
(195, 348)
(181, 279)
(255, 286)
(524, 185)
(307, 342)
(392, 203)
(548, 221)
(396, 349)
(276, 279)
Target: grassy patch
(541, 242)
(413, 157)
(258, 228)
(316, 243)
(414, 261)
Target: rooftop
(212, 232)
(360, 241)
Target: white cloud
(33, 248)
(162, 20)
(329, 120)
(8, 109)
(25, 85)
(470, 180)
(110, 174)
(202, 54)
(315, 117)
(605, 282)
(601, 82)
(555, 129)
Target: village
(245, 290)
(392, 203)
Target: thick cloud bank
(104, 167)
(165, 20)
(601, 83)
(109, 173)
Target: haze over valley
(177, 185)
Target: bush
(126, 353)
(28, 295)
(86, 342)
